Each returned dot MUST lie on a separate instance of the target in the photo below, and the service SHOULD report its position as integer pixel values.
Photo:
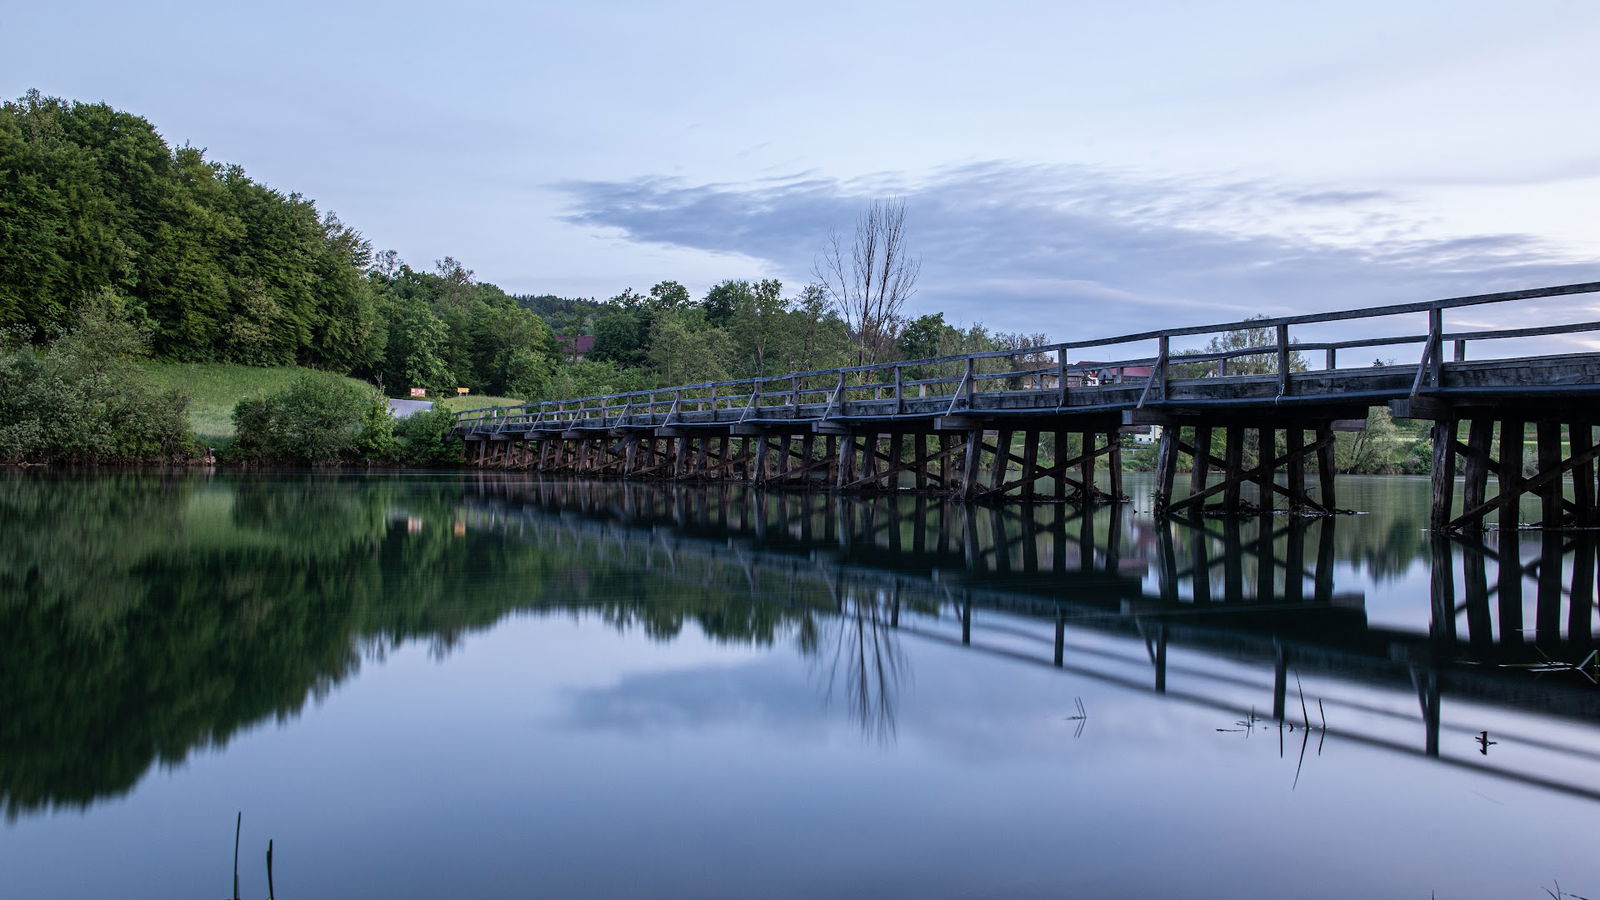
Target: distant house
(575, 346)
(1092, 374)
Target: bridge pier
(1497, 445)
(1271, 456)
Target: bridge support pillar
(1516, 476)
(1255, 457)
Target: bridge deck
(925, 425)
(1043, 382)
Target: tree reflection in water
(864, 660)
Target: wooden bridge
(1255, 423)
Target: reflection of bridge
(1206, 610)
(1242, 416)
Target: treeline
(738, 329)
(220, 268)
(183, 629)
(217, 267)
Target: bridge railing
(824, 393)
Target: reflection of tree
(865, 656)
(142, 617)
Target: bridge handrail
(1060, 368)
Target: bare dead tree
(871, 281)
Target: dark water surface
(424, 685)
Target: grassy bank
(214, 389)
(469, 401)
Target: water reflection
(144, 617)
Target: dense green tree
(82, 400)
(218, 266)
(622, 337)
(760, 326)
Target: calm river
(437, 685)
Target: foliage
(1239, 339)
(447, 330)
(215, 388)
(220, 268)
(82, 399)
(317, 420)
(424, 439)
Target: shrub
(81, 399)
(316, 420)
(424, 439)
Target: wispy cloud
(1075, 250)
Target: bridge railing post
(1283, 360)
(1163, 347)
(1061, 377)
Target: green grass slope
(463, 402)
(214, 388)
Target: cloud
(1079, 251)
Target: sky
(1076, 169)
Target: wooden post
(1283, 360)
(1030, 462)
(1061, 380)
(970, 461)
(1326, 467)
(1266, 451)
(897, 455)
(1056, 459)
(919, 451)
(1294, 439)
(1549, 449)
(1233, 459)
(1475, 468)
(1114, 462)
(1086, 468)
(761, 461)
(1201, 463)
(1166, 465)
(1510, 477)
(1001, 462)
(1579, 440)
(1444, 471)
